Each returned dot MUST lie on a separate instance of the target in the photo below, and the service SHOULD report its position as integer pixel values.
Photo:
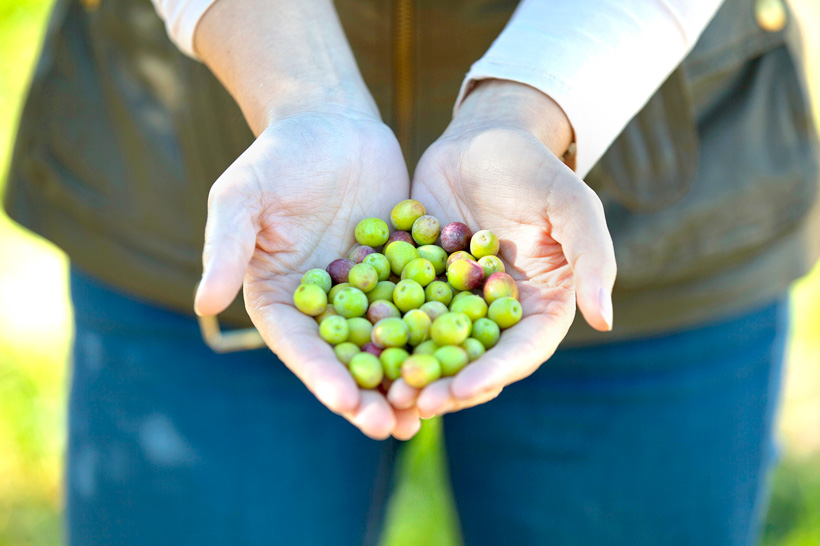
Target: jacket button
(770, 15)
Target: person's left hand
(492, 170)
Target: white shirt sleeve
(600, 60)
(181, 18)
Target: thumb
(230, 240)
(579, 225)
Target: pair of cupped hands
(291, 201)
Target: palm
(290, 203)
(506, 181)
(488, 195)
(320, 180)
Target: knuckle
(231, 189)
(591, 199)
(217, 194)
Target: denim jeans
(661, 441)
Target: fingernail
(427, 414)
(605, 304)
(198, 294)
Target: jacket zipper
(403, 72)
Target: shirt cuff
(599, 60)
(181, 18)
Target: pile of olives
(416, 310)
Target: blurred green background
(35, 330)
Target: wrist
(278, 59)
(504, 103)
(337, 98)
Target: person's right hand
(288, 204)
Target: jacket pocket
(755, 182)
(653, 163)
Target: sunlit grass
(35, 332)
(34, 326)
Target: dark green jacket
(707, 191)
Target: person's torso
(122, 137)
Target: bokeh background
(35, 332)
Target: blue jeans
(662, 441)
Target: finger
(294, 338)
(374, 416)
(435, 398)
(519, 352)
(401, 395)
(230, 239)
(579, 225)
(407, 424)
(458, 405)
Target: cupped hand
(492, 170)
(288, 204)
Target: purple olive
(400, 236)
(359, 253)
(455, 236)
(371, 348)
(340, 269)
